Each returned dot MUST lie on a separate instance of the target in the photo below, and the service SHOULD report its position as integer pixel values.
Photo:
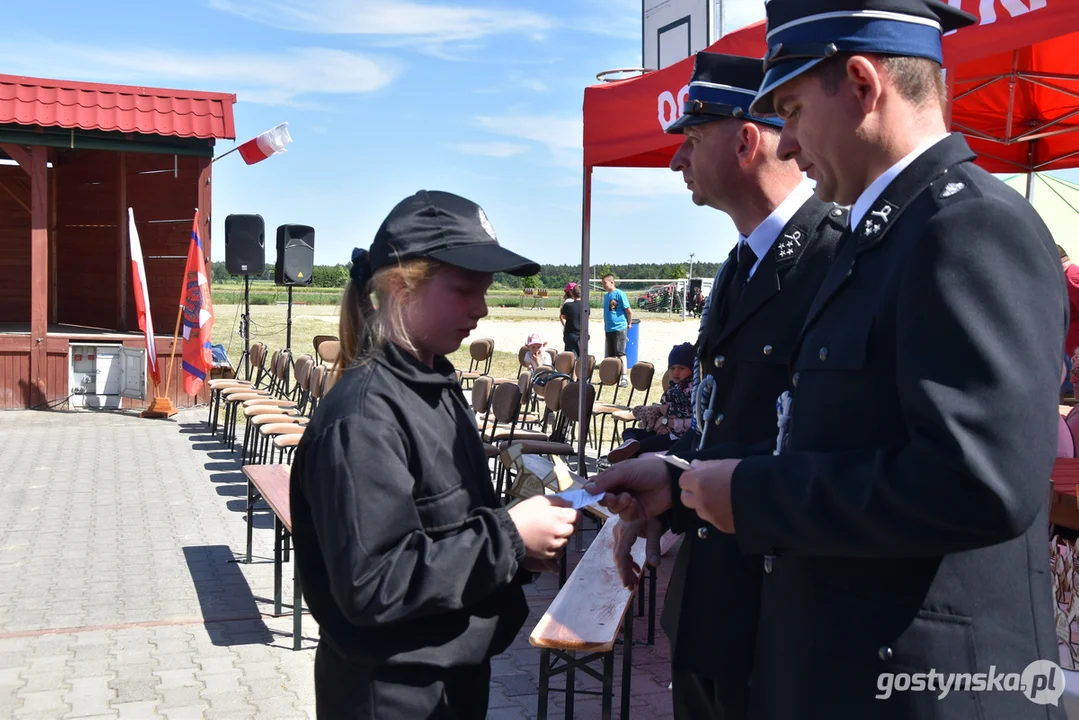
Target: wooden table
(271, 483)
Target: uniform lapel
(884, 214)
(767, 279)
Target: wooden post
(54, 308)
(122, 257)
(39, 275)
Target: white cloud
(491, 149)
(562, 135)
(404, 18)
(639, 182)
(280, 78)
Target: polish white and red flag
(271, 142)
(142, 295)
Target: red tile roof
(122, 108)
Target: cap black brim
(763, 105)
(486, 257)
(678, 126)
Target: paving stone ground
(123, 598)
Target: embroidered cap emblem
(951, 189)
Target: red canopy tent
(1013, 77)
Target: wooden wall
(14, 245)
(89, 273)
(15, 371)
(93, 265)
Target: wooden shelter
(73, 158)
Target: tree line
(557, 276)
(550, 276)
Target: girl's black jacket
(404, 553)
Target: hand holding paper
(580, 498)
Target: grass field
(268, 325)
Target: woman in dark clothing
(570, 315)
(408, 562)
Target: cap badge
(487, 225)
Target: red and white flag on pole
(142, 295)
(269, 143)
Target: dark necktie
(746, 260)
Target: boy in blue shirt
(617, 316)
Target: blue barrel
(633, 344)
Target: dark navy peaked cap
(802, 33)
(722, 86)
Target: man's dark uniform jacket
(906, 518)
(711, 608)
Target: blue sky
(384, 97)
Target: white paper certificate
(580, 498)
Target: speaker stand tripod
(288, 323)
(245, 330)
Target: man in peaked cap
(903, 518)
(757, 306)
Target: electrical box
(103, 374)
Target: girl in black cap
(407, 560)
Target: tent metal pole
(1031, 175)
(586, 259)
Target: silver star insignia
(871, 228)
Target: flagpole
(224, 154)
(172, 351)
(161, 406)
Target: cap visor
(678, 126)
(486, 257)
(762, 105)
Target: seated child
(659, 426)
(536, 355)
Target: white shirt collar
(871, 193)
(765, 234)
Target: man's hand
(625, 536)
(636, 489)
(707, 490)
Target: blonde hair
(364, 326)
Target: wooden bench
(585, 617)
(590, 609)
(271, 483)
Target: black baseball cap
(447, 228)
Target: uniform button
(794, 379)
(837, 212)
(719, 361)
(823, 354)
(702, 533)
(885, 653)
(767, 349)
(719, 418)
